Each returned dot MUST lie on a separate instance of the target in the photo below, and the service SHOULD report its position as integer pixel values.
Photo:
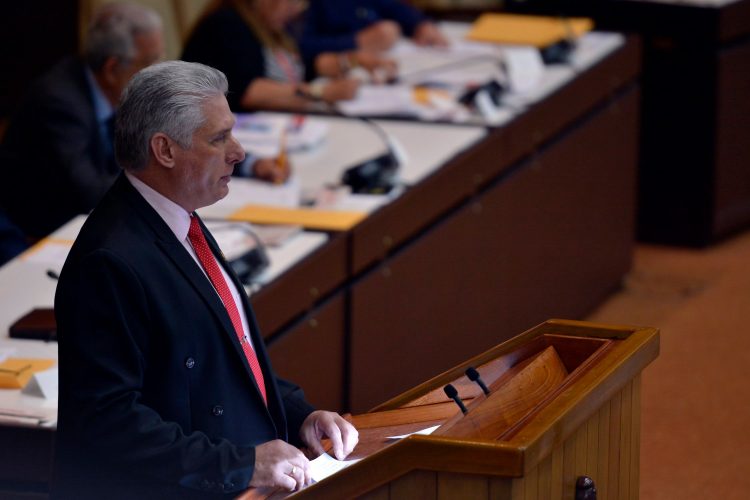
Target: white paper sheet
(423, 432)
(325, 465)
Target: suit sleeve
(103, 322)
(332, 25)
(74, 139)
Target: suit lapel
(260, 352)
(175, 251)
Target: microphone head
(472, 373)
(450, 391)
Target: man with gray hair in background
(57, 156)
(166, 389)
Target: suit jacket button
(217, 410)
(189, 363)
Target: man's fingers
(334, 434)
(286, 481)
(350, 438)
(314, 444)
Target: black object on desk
(37, 324)
(377, 175)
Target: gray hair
(167, 97)
(113, 30)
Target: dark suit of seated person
(248, 41)
(166, 389)
(12, 241)
(374, 25)
(58, 156)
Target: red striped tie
(207, 259)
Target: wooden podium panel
(549, 240)
(579, 417)
(296, 292)
(318, 336)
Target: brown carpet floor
(696, 395)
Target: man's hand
(274, 170)
(429, 34)
(320, 424)
(280, 465)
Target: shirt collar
(102, 107)
(176, 217)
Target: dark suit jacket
(332, 25)
(11, 239)
(156, 397)
(55, 162)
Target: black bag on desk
(37, 324)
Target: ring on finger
(294, 470)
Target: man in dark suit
(58, 157)
(166, 390)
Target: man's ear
(163, 148)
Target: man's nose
(236, 153)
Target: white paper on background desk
(43, 384)
(423, 432)
(261, 133)
(252, 191)
(48, 253)
(6, 352)
(380, 100)
(525, 67)
(325, 465)
(43, 417)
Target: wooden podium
(564, 404)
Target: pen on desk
(52, 274)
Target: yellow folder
(538, 31)
(15, 373)
(310, 218)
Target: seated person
(58, 158)
(11, 239)
(247, 40)
(339, 25)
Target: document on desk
(325, 465)
(381, 100)
(260, 133)
(41, 417)
(310, 218)
(539, 31)
(460, 64)
(243, 191)
(423, 432)
(50, 252)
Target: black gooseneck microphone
(378, 175)
(474, 376)
(452, 393)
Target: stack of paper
(538, 31)
(261, 133)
